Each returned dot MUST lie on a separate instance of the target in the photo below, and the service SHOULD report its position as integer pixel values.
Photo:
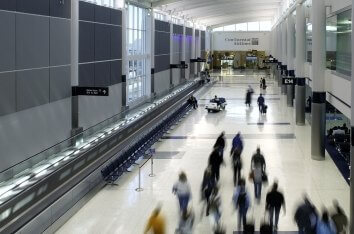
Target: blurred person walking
(156, 222)
(325, 225)
(306, 217)
(215, 161)
(339, 218)
(258, 174)
(260, 102)
(236, 151)
(241, 202)
(274, 201)
(220, 144)
(249, 93)
(208, 185)
(183, 191)
(186, 223)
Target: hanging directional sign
(181, 66)
(289, 80)
(90, 91)
(198, 60)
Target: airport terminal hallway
(286, 147)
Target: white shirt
(181, 188)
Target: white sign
(241, 41)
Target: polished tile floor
(120, 209)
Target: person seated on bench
(338, 131)
(345, 128)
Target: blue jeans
(274, 214)
(183, 202)
(257, 189)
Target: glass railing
(28, 172)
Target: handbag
(264, 177)
(251, 176)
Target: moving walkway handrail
(47, 188)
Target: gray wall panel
(59, 41)
(104, 107)
(86, 11)
(116, 17)
(7, 41)
(116, 42)
(86, 42)
(162, 43)
(32, 88)
(87, 74)
(28, 132)
(102, 74)
(162, 26)
(176, 76)
(162, 81)
(7, 93)
(162, 63)
(32, 41)
(60, 83)
(116, 72)
(102, 42)
(9, 5)
(60, 9)
(102, 14)
(39, 7)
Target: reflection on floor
(286, 148)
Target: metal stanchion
(139, 189)
(152, 168)
(152, 151)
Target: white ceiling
(216, 13)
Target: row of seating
(138, 149)
(342, 144)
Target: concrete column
(193, 67)
(300, 97)
(351, 217)
(124, 59)
(290, 57)
(152, 59)
(284, 59)
(318, 81)
(183, 71)
(171, 53)
(74, 53)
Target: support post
(318, 126)
(300, 97)
(351, 217)
(290, 58)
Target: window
(219, 29)
(241, 27)
(230, 28)
(108, 3)
(309, 42)
(136, 51)
(253, 26)
(265, 26)
(250, 26)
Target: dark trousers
(216, 173)
(257, 190)
(242, 213)
(260, 107)
(237, 174)
(207, 198)
(274, 214)
(183, 202)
